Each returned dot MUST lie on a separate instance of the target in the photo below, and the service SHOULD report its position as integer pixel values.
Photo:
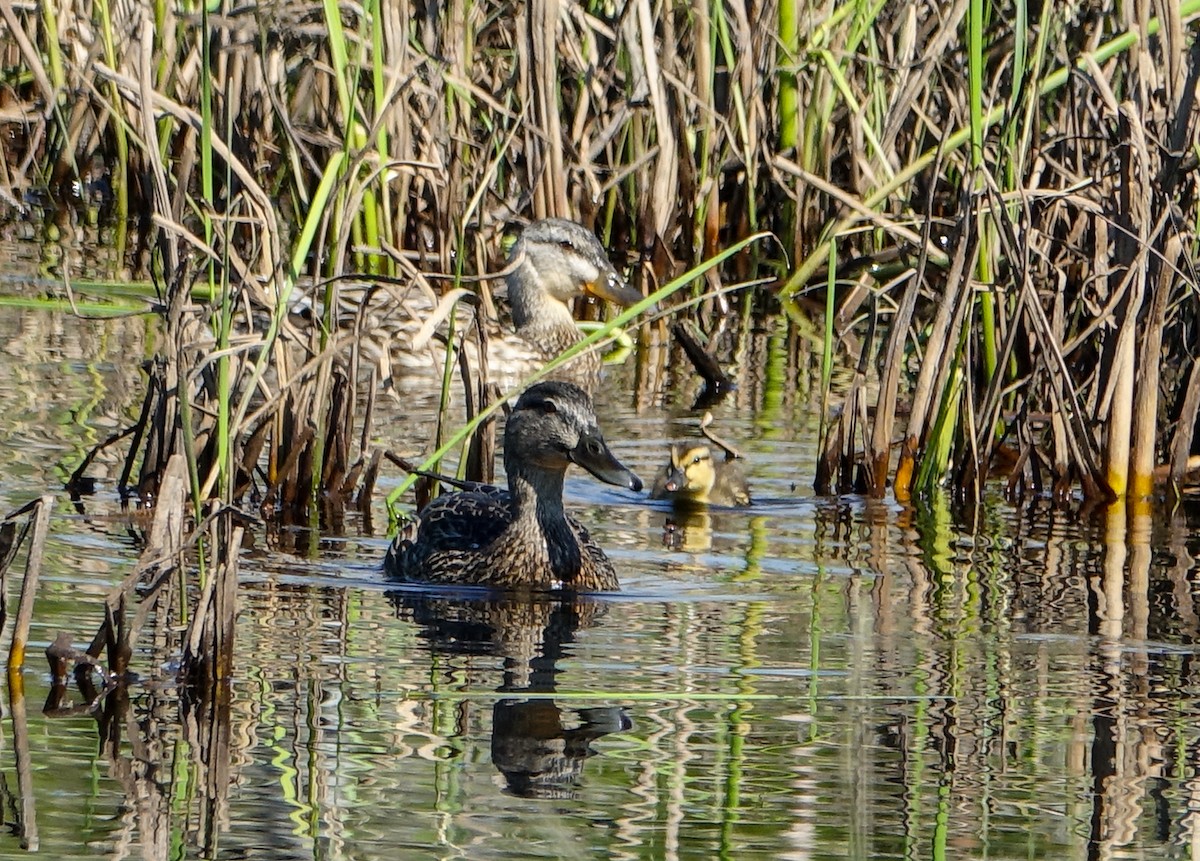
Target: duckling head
(557, 259)
(692, 473)
(552, 426)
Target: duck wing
(731, 487)
(453, 526)
(469, 520)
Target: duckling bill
(693, 478)
(520, 537)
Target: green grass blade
(567, 355)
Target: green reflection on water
(838, 678)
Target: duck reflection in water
(689, 530)
(536, 744)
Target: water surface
(810, 678)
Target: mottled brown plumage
(692, 477)
(552, 262)
(520, 537)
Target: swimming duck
(552, 261)
(693, 478)
(520, 537)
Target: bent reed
(991, 205)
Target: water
(811, 678)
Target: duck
(692, 478)
(520, 538)
(552, 261)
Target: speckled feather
(460, 538)
(552, 262)
(520, 537)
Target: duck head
(559, 259)
(692, 472)
(552, 426)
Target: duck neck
(537, 497)
(535, 312)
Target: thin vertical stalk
(788, 60)
(1143, 451)
(975, 68)
(739, 105)
(33, 570)
(708, 204)
(827, 340)
(26, 822)
(382, 144)
(340, 61)
(120, 167)
(58, 77)
(223, 321)
(941, 442)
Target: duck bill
(675, 480)
(593, 454)
(614, 289)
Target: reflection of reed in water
(538, 746)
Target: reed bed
(996, 200)
(1000, 195)
(1068, 272)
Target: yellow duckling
(694, 478)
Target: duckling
(520, 537)
(693, 478)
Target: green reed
(957, 433)
(54, 54)
(977, 11)
(789, 92)
(601, 334)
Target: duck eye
(697, 459)
(544, 407)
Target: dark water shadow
(538, 745)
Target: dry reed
(1055, 144)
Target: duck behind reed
(552, 262)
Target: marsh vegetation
(987, 211)
(991, 206)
